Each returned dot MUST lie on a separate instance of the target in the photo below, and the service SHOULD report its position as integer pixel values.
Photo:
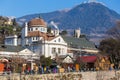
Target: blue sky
(20, 8)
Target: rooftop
(10, 48)
(37, 21)
(78, 42)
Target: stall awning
(87, 59)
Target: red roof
(87, 59)
(36, 21)
(40, 34)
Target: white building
(16, 51)
(35, 37)
(34, 34)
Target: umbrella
(3, 60)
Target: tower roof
(36, 22)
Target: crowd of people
(42, 69)
(39, 70)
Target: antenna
(39, 16)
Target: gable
(58, 39)
(25, 52)
(68, 59)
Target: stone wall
(99, 75)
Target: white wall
(11, 40)
(39, 28)
(55, 43)
(47, 49)
(26, 29)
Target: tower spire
(39, 16)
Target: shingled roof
(78, 42)
(10, 48)
(41, 34)
(36, 22)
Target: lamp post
(31, 63)
(31, 60)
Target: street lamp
(31, 64)
(31, 60)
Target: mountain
(46, 16)
(93, 18)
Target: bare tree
(111, 45)
(115, 31)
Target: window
(9, 41)
(33, 38)
(29, 29)
(53, 50)
(43, 29)
(36, 28)
(59, 40)
(59, 50)
(36, 38)
(62, 50)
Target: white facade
(11, 40)
(34, 36)
(25, 53)
(57, 46)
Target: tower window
(31, 29)
(36, 29)
(43, 29)
(33, 38)
(36, 38)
